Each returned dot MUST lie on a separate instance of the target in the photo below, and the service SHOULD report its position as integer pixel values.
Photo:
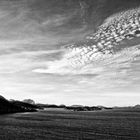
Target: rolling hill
(15, 106)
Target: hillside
(15, 106)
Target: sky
(35, 37)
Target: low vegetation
(28, 105)
(62, 124)
(13, 106)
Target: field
(53, 124)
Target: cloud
(108, 73)
(39, 60)
(69, 65)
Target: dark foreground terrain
(60, 124)
(13, 106)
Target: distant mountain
(137, 106)
(29, 101)
(15, 106)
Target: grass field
(52, 124)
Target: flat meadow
(61, 124)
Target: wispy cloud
(35, 64)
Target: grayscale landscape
(70, 69)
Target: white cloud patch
(69, 65)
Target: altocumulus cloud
(103, 50)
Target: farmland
(60, 124)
